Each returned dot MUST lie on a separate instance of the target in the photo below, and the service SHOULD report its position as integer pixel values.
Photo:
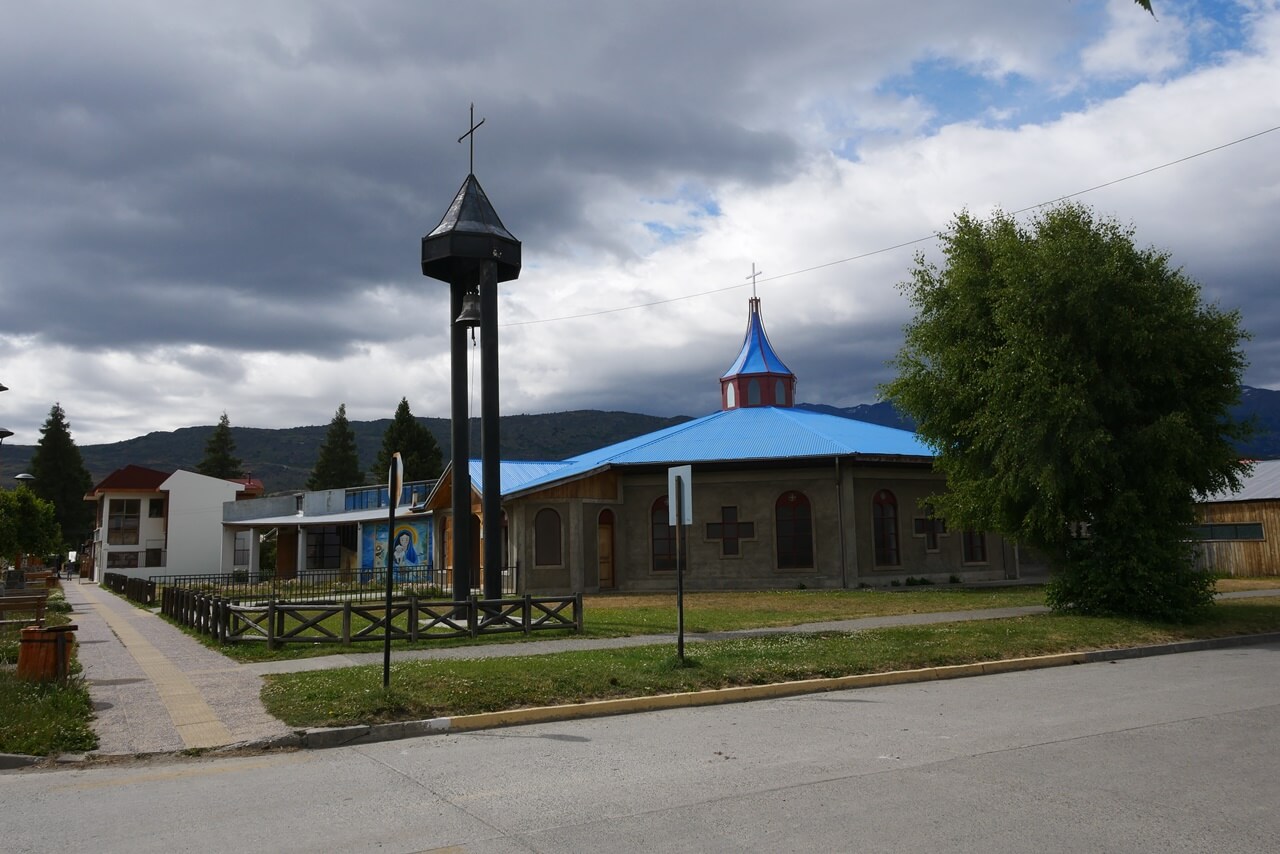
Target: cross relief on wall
(729, 531)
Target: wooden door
(604, 549)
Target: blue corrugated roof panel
(514, 475)
(755, 433)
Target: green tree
(62, 479)
(1064, 376)
(418, 448)
(219, 453)
(28, 524)
(338, 464)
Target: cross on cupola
(757, 377)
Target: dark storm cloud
(152, 171)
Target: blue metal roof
(757, 356)
(514, 475)
(750, 434)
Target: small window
(884, 522)
(780, 394)
(975, 547)
(794, 519)
(241, 557)
(930, 528)
(753, 393)
(123, 521)
(546, 538)
(662, 538)
(122, 560)
(1236, 531)
(155, 508)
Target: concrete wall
(196, 537)
(840, 499)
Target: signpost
(680, 511)
(395, 482)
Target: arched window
(662, 538)
(975, 547)
(753, 393)
(546, 538)
(730, 397)
(795, 531)
(884, 521)
(780, 393)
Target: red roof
(252, 487)
(131, 477)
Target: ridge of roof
(132, 477)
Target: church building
(782, 498)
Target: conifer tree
(62, 479)
(219, 453)
(338, 464)
(418, 448)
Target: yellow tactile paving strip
(196, 722)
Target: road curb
(326, 737)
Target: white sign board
(685, 475)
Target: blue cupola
(757, 377)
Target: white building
(150, 522)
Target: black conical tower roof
(469, 232)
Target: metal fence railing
(326, 585)
(411, 618)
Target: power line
(892, 248)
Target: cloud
(218, 207)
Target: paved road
(1172, 753)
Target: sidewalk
(157, 690)
(154, 688)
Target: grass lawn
(422, 689)
(43, 719)
(619, 615)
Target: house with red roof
(149, 522)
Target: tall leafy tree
(418, 448)
(220, 458)
(338, 464)
(62, 479)
(28, 524)
(1071, 382)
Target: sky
(218, 207)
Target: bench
(12, 609)
(39, 579)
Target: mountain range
(283, 458)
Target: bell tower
(473, 251)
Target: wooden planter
(44, 654)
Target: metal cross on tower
(471, 133)
(754, 275)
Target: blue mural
(410, 548)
